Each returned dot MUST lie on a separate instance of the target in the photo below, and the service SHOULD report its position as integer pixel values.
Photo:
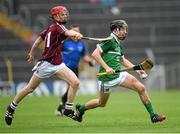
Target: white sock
(69, 106)
(13, 105)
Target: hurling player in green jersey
(109, 55)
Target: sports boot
(59, 110)
(69, 113)
(79, 113)
(9, 115)
(157, 118)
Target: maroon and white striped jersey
(53, 36)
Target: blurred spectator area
(153, 24)
(16, 50)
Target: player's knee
(75, 83)
(102, 104)
(141, 89)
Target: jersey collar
(114, 36)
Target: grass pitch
(124, 113)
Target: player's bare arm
(125, 62)
(89, 60)
(72, 33)
(36, 44)
(97, 56)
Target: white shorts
(105, 87)
(44, 69)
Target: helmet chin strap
(116, 33)
(64, 22)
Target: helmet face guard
(118, 24)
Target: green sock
(149, 108)
(83, 108)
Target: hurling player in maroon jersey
(50, 62)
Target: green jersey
(111, 54)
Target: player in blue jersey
(73, 50)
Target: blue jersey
(72, 51)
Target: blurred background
(154, 32)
